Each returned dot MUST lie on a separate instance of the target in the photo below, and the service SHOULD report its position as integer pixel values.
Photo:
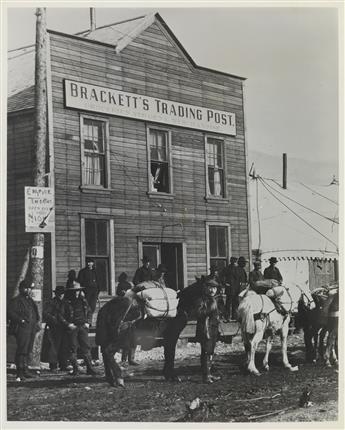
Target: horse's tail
(246, 316)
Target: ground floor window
(97, 247)
(218, 245)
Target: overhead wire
(321, 195)
(298, 216)
(332, 220)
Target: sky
(287, 54)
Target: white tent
(297, 225)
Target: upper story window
(215, 167)
(94, 137)
(159, 161)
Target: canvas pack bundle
(160, 302)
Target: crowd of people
(68, 315)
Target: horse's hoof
(267, 368)
(255, 372)
(293, 368)
(207, 380)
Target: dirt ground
(237, 397)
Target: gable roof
(21, 62)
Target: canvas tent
(299, 226)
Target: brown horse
(121, 317)
(319, 323)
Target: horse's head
(306, 300)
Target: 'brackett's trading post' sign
(112, 102)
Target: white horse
(258, 316)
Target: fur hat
(212, 283)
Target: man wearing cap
(77, 318)
(54, 338)
(160, 274)
(229, 276)
(24, 322)
(272, 272)
(87, 278)
(240, 284)
(144, 273)
(207, 328)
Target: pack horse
(259, 317)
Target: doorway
(169, 254)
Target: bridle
(303, 294)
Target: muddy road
(236, 397)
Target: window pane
(219, 154)
(102, 270)
(211, 181)
(102, 238)
(90, 237)
(213, 241)
(222, 241)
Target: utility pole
(40, 137)
(284, 171)
(92, 18)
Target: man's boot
(90, 370)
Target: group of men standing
(234, 278)
(68, 318)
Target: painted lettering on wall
(112, 102)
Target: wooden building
(146, 156)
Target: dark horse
(118, 319)
(320, 322)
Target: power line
(332, 220)
(298, 216)
(321, 195)
(258, 213)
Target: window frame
(208, 195)
(105, 122)
(208, 251)
(111, 256)
(169, 157)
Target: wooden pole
(284, 171)
(40, 137)
(92, 18)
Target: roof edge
(206, 69)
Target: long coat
(207, 327)
(54, 337)
(24, 318)
(273, 273)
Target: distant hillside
(299, 170)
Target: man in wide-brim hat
(77, 319)
(54, 344)
(24, 322)
(272, 272)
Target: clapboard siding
(152, 65)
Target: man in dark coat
(229, 276)
(256, 275)
(54, 338)
(272, 272)
(144, 273)
(240, 283)
(24, 322)
(77, 318)
(87, 278)
(207, 328)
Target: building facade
(146, 156)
